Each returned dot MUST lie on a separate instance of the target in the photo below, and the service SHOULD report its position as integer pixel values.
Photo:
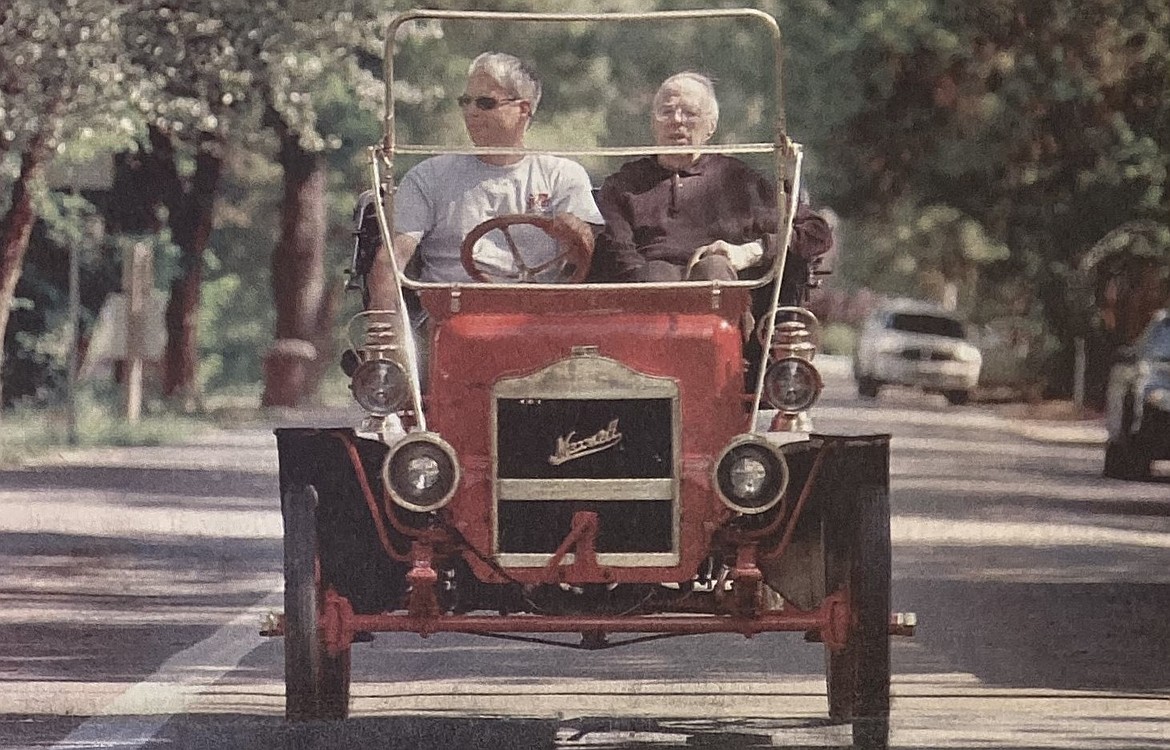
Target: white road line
(134, 717)
(922, 530)
(117, 514)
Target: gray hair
(705, 82)
(512, 73)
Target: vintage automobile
(585, 465)
(1137, 403)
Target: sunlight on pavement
(41, 512)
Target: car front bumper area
(385, 571)
(939, 376)
(1153, 435)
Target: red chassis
(587, 424)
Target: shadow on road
(150, 485)
(242, 732)
(1103, 636)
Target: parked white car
(911, 343)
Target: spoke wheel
(858, 676)
(316, 683)
(571, 263)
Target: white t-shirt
(442, 199)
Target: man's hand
(567, 225)
(739, 256)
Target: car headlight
(421, 472)
(1158, 398)
(751, 475)
(792, 384)
(380, 386)
(886, 344)
(968, 353)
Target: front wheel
(1123, 461)
(858, 676)
(316, 682)
(867, 387)
(958, 397)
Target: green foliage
(979, 149)
(1047, 125)
(65, 75)
(31, 430)
(38, 338)
(229, 340)
(838, 338)
(931, 252)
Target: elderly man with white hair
(659, 210)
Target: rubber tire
(958, 398)
(1115, 459)
(316, 684)
(867, 387)
(841, 683)
(1122, 459)
(858, 677)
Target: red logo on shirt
(539, 202)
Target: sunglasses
(486, 103)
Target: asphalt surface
(133, 581)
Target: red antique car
(587, 463)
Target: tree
(310, 65)
(1046, 123)
(227, 68)
(199, 61)
(65, 78)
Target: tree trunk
(296, 363)
(191, 225)
(16, 228)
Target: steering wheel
(571, 260)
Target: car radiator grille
(558, 456)
(927, 355)
(613, 453)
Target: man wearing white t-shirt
(442, 199)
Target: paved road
(132, 582)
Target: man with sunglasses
(443, 198)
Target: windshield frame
(787, 154)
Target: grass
(27, 432)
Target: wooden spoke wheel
(316, 682)
(858, 676)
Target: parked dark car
(1137, 407)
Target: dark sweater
(652, 214)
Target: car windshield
(930, 324)
(424, 120)
(1158, 344)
